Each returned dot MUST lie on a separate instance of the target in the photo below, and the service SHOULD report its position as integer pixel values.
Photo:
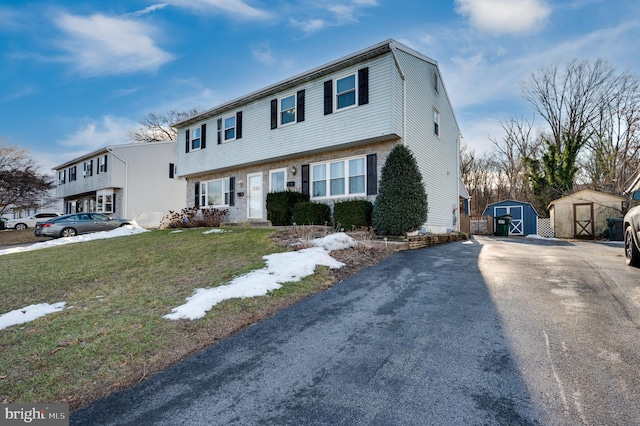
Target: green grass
(112, 333)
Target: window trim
(203, 195)
(192, 132)
(225, 128)
(346, 177)
(336, 94)
(295, 109)
(436, 122)
(271, 172)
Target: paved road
(491, 331)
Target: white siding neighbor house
(327, 133)
(132, 181)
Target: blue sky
(78, 75)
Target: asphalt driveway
(426, 337)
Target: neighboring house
(584, 214)
(524, 217)
(133, 181)
(327, 133)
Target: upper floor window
(345, 91)
(339, 178)
(102, 168)
(436, 122)
(88, 168)
(229, 128)
(195, 135)
(72, 173)
(288, 109)
(62, 175)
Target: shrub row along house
(325, 133)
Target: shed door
(583, 226)
(517, 226)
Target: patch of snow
(281, 268)
(118, 232)
(29, 313)
(538, 237)
(215, 231)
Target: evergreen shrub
(308, 213)
(280, 206)
(352, 214)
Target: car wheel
(68, 232)
(21, 227)
(631, 252)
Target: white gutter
(404, 96)
(126, 184)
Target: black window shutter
(197, 191)
(91, 168)
(304, 169)
(113, 206)
(187, 141)
(171, 169)
(105, 163)
(328, 97)
(372, 174)
(219, 131)
(239, 125)
(203, 136)
(363, 86)
(232, 191)
(274, 114)
(300, 106)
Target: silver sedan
(70, 225)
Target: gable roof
(319, 72)
(584, 196)
(510, 201)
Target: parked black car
(632, 232)
(70, 225)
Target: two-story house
(132, 181)
(327, 133)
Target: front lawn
(112, 334)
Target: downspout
(404, 96)
(458, 182)
(126, 184)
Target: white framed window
(88, 168)
(215, 193)
(229, 128)
(345, 92)
(345, 177)
(195, 136)
(277, 179)
(102, 164)
(436, 122)
(287, 110)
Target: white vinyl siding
(259, 143)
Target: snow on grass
(29, 313)
(281, 268)
(118, 232)
(215, 231)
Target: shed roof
(511, 201)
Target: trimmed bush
(280, 206)
(352, 214)
(308, 213)
(401, 204)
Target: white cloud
(235, 8)
(333, 15)
(263, 54)
(99, 44)
(505, 16)
(96, 134)
(147, 10)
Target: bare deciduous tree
(157, 127)
(21, 185)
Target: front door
(256, 201)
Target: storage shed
(584, 214)
(524, 217)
